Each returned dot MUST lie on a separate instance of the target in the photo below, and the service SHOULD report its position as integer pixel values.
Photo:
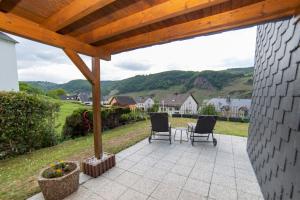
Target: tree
(155, 107)
(29, 89)
(208, 110)
(56, 93)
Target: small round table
(181, 130)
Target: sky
(39, 62)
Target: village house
(229, 107)
(82, 97)
(123, 101)
(144, 103)
(8, 66)
(179, 104)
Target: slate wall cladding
(274, 132)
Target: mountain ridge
(236, 82)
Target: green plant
(58, 169)
(208, 110)
(56, 93)
(26, 123)
(30, 89)
(79, 123)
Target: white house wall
(190, 106)
(8, 67)
(148, 103)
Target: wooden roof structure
(101, 28)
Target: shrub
(208, 110)
(56, 93)
(26, 123)
(80, 122)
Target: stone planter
(61, 187)
(95, 168)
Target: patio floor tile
(133, 195)
(246, 196)
(125, 164)
(181, 170)
(227, 181)
(128, 178)
(196, 186)
(113, 173)
(248, 186)
(145, 185)
(165, 192)
(186, 195)
(166, 165)
(111, 191)
(203, 175)
(222, 193)
(224, 170)
(174, 180)
(156, 174)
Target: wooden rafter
(244, 16)
(79, 63)
(160, 12)
(28, 29)
(8, 5)
(75, 11)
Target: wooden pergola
(101, 28)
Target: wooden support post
(97, 108)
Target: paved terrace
(179, 171)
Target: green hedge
(26, 123)
(80, 122)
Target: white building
(231, 107)
(144, 103)
(179, 104)
(8, 64)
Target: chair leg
(170, 136)
(192, 138)
(150, 137)
(214, 139)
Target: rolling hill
(236, 82)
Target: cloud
(60, 73)
(37, 61)
(133, 66)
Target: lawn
(66, 108)
(18, 175)
(222, 127)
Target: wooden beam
(8, 5)
(160, 12)
(79, 63)
(73, 12)
(25, 28)
(248, 15)
(97, 108)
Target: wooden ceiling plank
(163, 11)
(25, 28)
(120, 13)
(75, 11)
(8, 5)
(248, 15)
(79, 63)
